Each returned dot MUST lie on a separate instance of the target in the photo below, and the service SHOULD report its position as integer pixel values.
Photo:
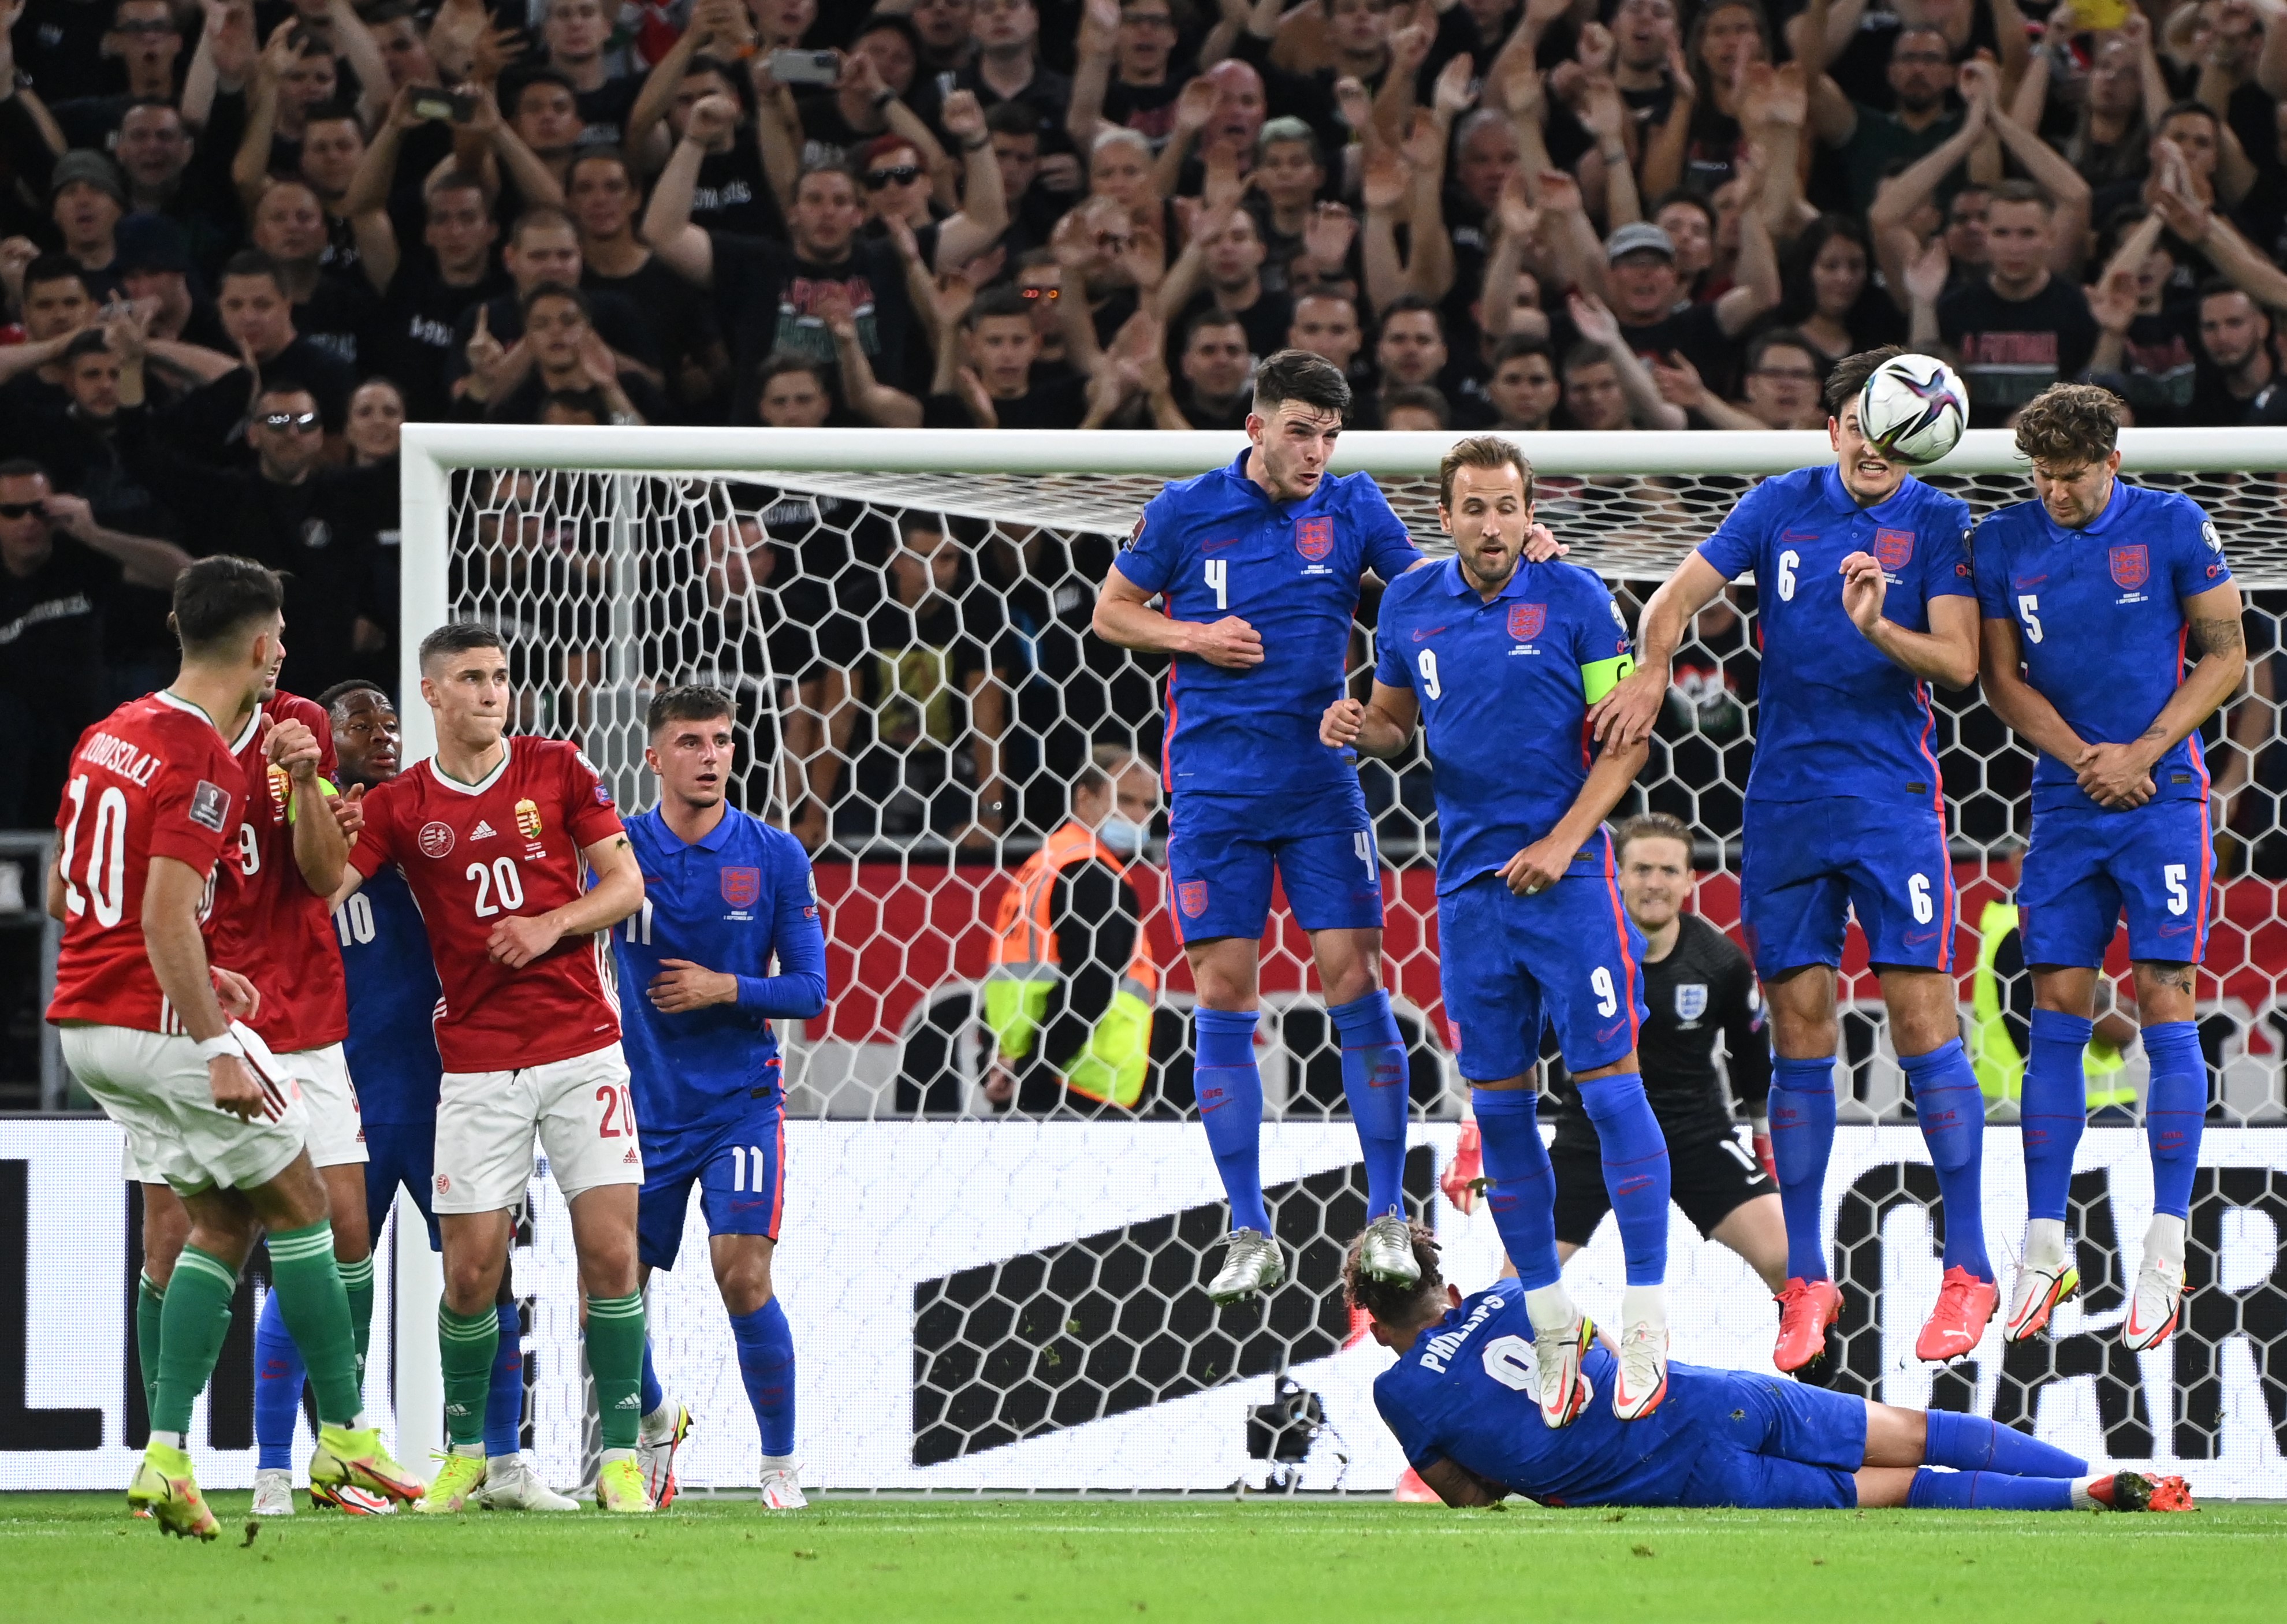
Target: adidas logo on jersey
(483, 831)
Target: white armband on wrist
(216, 1048)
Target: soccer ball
(1913, 408)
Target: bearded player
(1499, 660)
(1458, 1401)
(1864, 597)
(491, 834)
(723, 894)
(1259, 565)
(154, 803)
(2089, 594)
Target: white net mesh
(910, 648)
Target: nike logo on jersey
(1609, 1033)
(1219, 546)
(1915, 938)
(483, 831)
(1421, 633)
(1799, 535)
(2027, 580)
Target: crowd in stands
(242, 241)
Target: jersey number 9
(1427, 660)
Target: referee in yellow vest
(1068, 1001)
(2001, 1014)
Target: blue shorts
(1571, 955)
(1780, 1446)
(740, 1167)
(1812, 864)
(2086, 866)
(1224, 849)
(400, 1153)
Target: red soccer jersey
(275, 932)
(153, 779)
(474, 853)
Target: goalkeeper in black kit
(1699, 987)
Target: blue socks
(1951, 1112)
(654, 1394)
(1521, 1187)
(2054, 1110)
(1635, 1170)
(1229, 1092)
(504, 1398)
(278, 1377)
(1374, 1081)
(1973, 1443)
(1802, 1140)
(2175, 1109)
(766, 1366)
(1988, 1492)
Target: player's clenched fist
(293, 745)
(1341, 725)
(231, 1083)
(1538, 865)
(1230, 643)
(517, 940)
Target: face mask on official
(1122, 833)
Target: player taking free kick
(1863, 586)
(491, 834)
(2088, 593)
(1459, 1400)
(723, 894)
(1500, 660)
(1258, 565)
(155, 798)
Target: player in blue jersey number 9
(1864, 597)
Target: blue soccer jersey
(392, 1046)
(1218, 545)
(2100, 624)
(727, 902)
(1505, 687)
(1837, 717)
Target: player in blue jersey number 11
(2088, 594)
(1864, 596)
(1258, 564)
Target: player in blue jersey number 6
(723, 893)
(1864, 591)
(2087, 594)
(1259, 565)
(1500, 660)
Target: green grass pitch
(73, 1557)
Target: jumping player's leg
(2175, 1109)
(1924, 1027)
(1226, 1079)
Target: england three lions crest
(742, 887)
(1314, 538)
(1527, 620)
(2132, 567)
(1690, 1000)
(1894, 550)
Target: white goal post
(983, 1302)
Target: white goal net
(991, 1295)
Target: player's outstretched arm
(1124, 617)
(321, 847)
(1457, 1486)
(2109, 772)
(1380, 726)
(1625, 715)
(518, 938)
(1946, 653)
(2022, 706)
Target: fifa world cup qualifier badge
(528, 819)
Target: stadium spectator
(2238, 382)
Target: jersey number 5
(2029, 608)
(1218, 572)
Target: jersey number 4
(1217, 572)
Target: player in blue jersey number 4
(1460, 1400)
(1864, 596)
(2087, 595)
(1259, 564)
(1500, 661)
(723, 893)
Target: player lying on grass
(1460, 1400)
(2089, 595)
(1498, 659)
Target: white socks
(659, 1423)
(1550, 1308)
(1638, 1304)
(2165, 1239)
(2045, 1243)
(778, 1463)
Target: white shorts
(580, 1108)
(155, 1085)
(336, 1130)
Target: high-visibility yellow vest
(2000, 1069)
(1110, 1066)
